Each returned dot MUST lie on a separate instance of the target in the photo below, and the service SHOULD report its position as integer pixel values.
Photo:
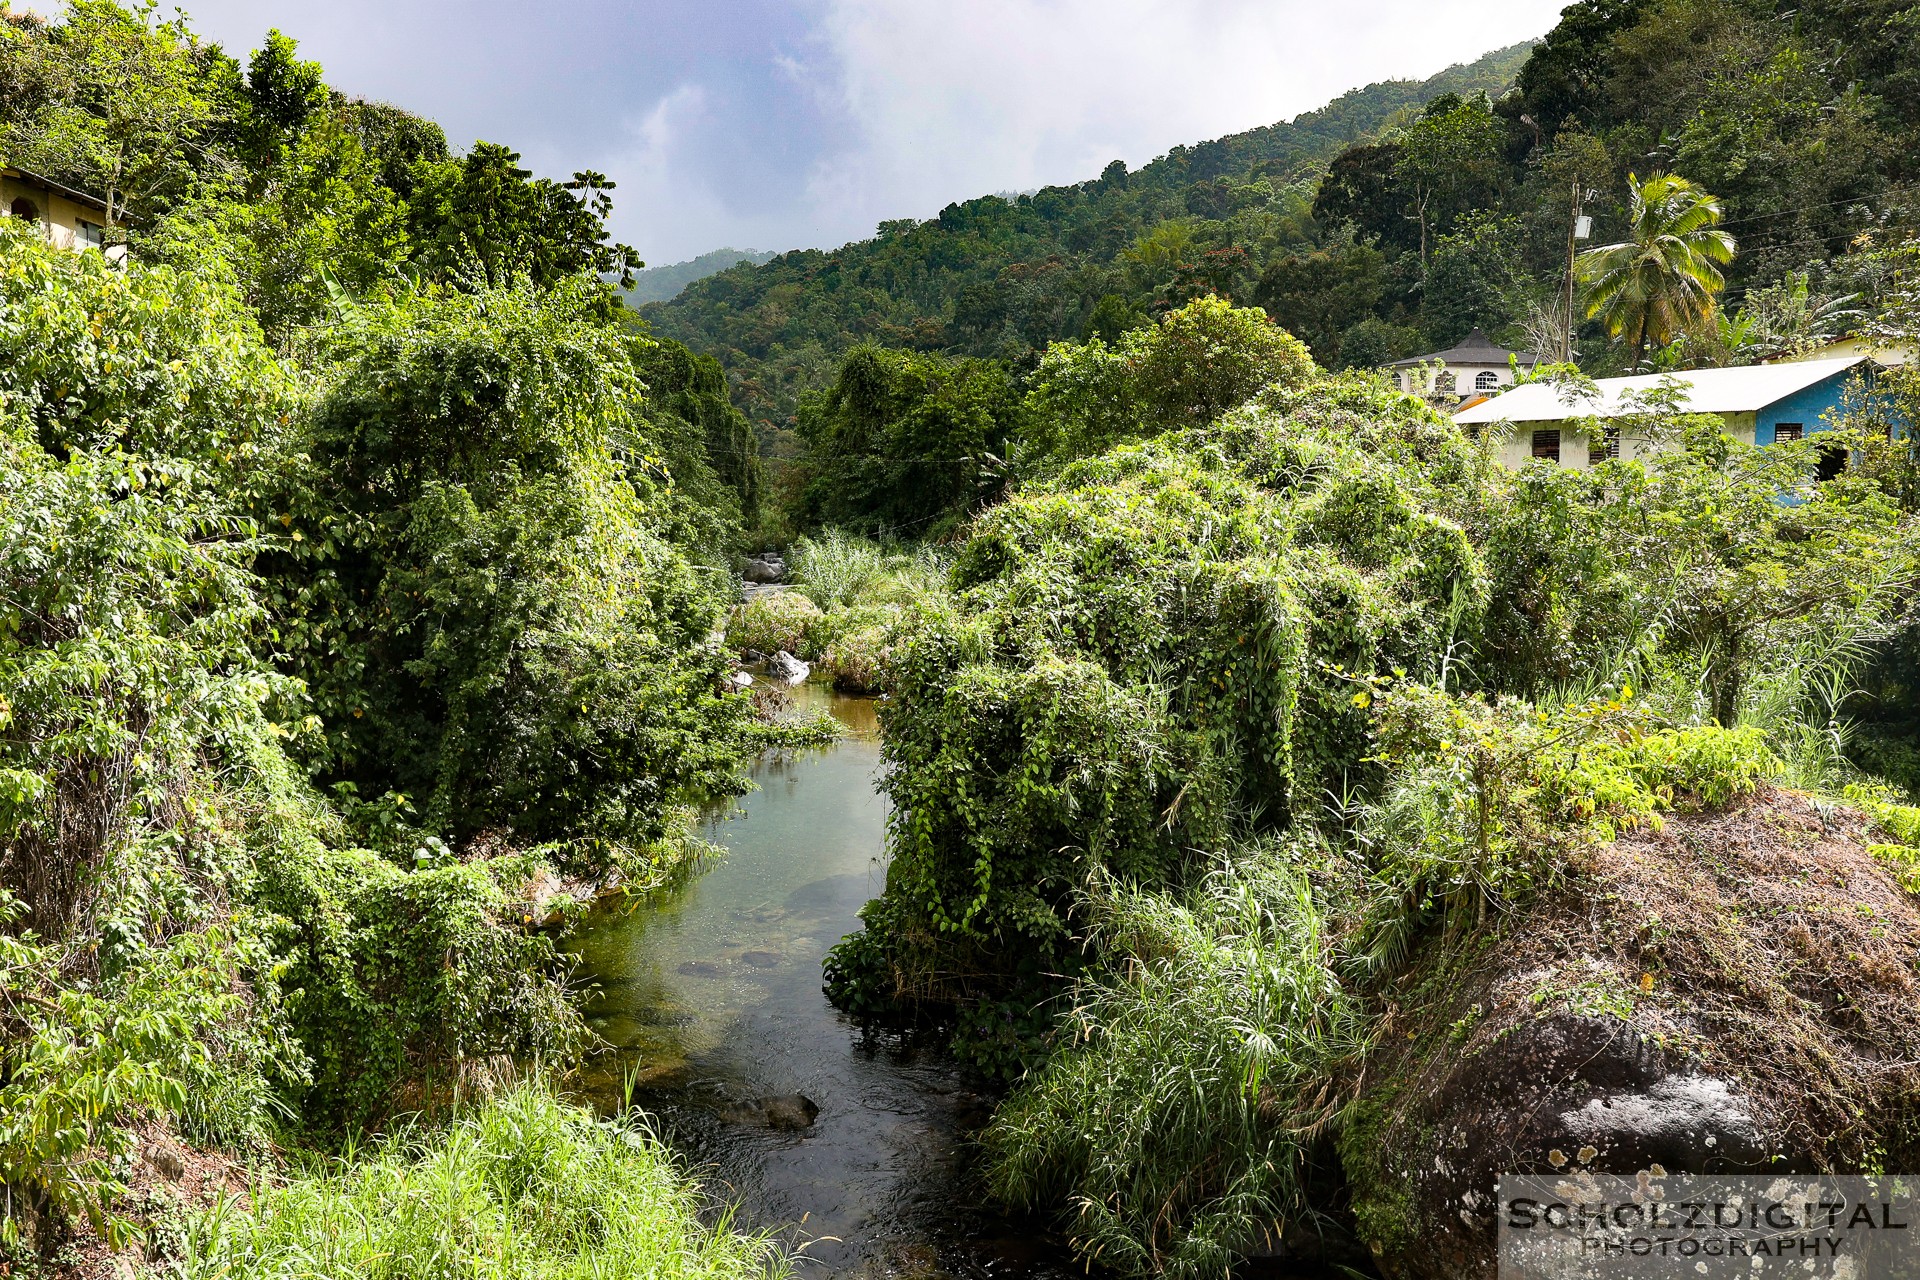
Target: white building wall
(1516, 449)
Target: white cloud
(948, 102)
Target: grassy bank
(524, 1187)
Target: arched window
(25, 208)
(1486, 380)
(1444, 384)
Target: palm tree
(1662, 278)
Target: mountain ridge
(1000, 278)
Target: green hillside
(999, 278)
(658, 284)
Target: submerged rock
(700, 969)
(784, 1111)
(1732, 993)
(790, 1111)
(784, 666)
(761, 959)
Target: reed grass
(1178, 1123)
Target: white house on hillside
(1761, 404)
(1478, 366)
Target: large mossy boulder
(1732, 991)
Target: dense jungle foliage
(361, 565)
(363, 562)
(998, 279)
(1214, 734)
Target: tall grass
(1178, 1122)
(521, 1188)
(841, 570)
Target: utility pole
(1579, 227)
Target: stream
(710, 996)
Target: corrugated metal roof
(1743, 390)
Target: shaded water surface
(712, 999)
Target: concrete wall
(62, 220)
(1516, 450)
(1806, 407)
(1465, 377)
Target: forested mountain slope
(1373, 230)
(1000, 278)
(658, 284)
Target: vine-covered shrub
(1139, 663)
(468, 583)
(858, 662)
(398, 980)
(189, 935)
(135, 973)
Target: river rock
(784, 666)
(764, 569)
(789, 1111)
(761, 959)
(1732, 992)
(700, 969)
(785, 1111)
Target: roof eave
(78, 197)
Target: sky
(780, 124)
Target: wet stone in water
(761, 959)
(701, 969)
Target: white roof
(1742, 390)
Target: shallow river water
(711, 997)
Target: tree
(1361, 191)
(281, 93)
(1318, 296)
(469, 582)
(1189, 370)
(1474, 279)
(1449, 160)
(1661, 279)
(484, 213)
(126, 107)
(905, 442)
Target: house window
(89, 233)
(1833, 460)
(25, 208)
(1546, 444)
(1486, 381)
(1606, 448)
(1788, 431)
(1444, 383)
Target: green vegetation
(363, 563)
(659, 284)
(523, 1188)
(1661, 280)
(1179, 1102)
(850, 596)
(1400, 216)
(359, 563)
(1287, 702)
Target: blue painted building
(1761, 404)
